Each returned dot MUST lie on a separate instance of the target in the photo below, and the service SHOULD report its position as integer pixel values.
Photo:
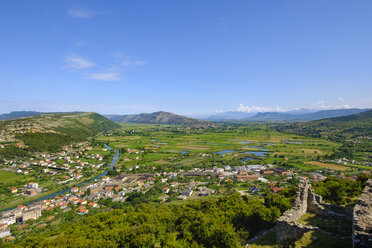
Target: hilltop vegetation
(50, 132)
(160, 117)
(225, 222)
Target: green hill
(353, 131)
(49, 132)
(160, 117)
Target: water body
(269, 144)
(184, 152)
(293, 142)
(246, 159)
(245, 142)
(157, 146)
(264, 150)
(224, 152)
(258, 154)
(112, 164)
(256, 147)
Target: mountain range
(160, 117)
(290, 116)
(168, 118)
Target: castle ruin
(306, 201)
(362, 219)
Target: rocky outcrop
(306, 201)
(362, 219)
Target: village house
(165, 190)
(187, 192)
(253, 177)
(93, 204)
(4, 230)
(74, 190)
(267, 172)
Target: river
(113, 162)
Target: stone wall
(306, 201)
(362, 219)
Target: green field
(161, 147)
(11, 177)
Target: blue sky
(187, 57)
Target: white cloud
(76, 62)
(322, 104)
(105, 76)
(255, 109)
(81, 12)
(111, 72)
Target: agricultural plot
(158, 148)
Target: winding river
(113, 162)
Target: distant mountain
(286, 116)
(49, 132)
(231, 115)
(160, 117)
(19, 114)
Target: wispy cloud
(255, 109)
(105, 76)
(322, 104)
(111, 72)
(81, 12)
(75, 62)
(127, 61)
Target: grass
(212, 141)
(11, 177)
(328, 166)
(311, 239)
(337, 225)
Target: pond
(246, 159)
(224, 152)
(293, 142)
(258, 154)
(245, 142)
(184, 152)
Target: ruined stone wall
(362, 219)
(306, 201)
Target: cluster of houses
(240, 173)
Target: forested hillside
(50, 132)
(160, 117)
(223, 222)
